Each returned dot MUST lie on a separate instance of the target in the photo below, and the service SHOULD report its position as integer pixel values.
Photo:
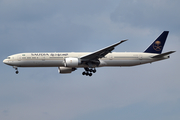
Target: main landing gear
(16, 69)
(89, 71)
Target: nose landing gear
(89, 71)
(16, 69)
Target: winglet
(114, 45)
(120, 42)
(158, 44)
(123, 40)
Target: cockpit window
(8, 58)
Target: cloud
(148, 14)
(48, 23)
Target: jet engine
(64, 70)
(71, 62)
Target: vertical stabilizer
(158, 44)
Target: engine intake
(71, 62)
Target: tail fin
(158, 44)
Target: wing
(100, 53)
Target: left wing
(100, 53)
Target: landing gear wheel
(89, 71)
(17, 72)
(94, 71)
(15, 67)
(87, 74)
(83, 73)
(90, 74)
(86, 69)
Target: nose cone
(5, 61)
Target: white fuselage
(57, 59)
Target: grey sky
(142, 92)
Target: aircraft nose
(4, 61)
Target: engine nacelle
(64, 70)
(71, 62)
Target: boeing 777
(70, 61)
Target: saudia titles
(48, 54)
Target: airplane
(68, 62)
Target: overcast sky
(146, 92)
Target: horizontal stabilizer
(163, 54)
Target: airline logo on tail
(157, 46)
